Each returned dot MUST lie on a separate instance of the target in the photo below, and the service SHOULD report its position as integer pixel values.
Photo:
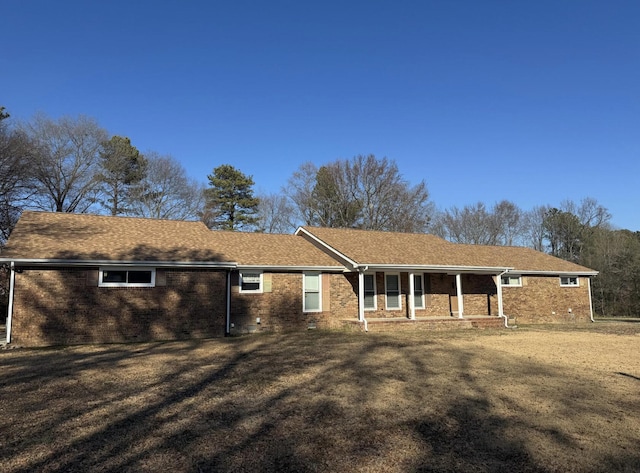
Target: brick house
(86, 278)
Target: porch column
(459, 295)
(412, 302)
(361, 296)
(499, 291)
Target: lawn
(540, 399)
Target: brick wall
(66, 306)
(279, 306)
(542, 300)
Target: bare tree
(14, 176)
(166, 192)
(533, 227)
(276, 214)
(509, 223)
(364, 192)
(64, 158)
(472, 224)
(299, 190)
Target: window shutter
(326, 292)
(93, 277)
(161, 277)
(266, 282)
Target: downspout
(500, 306)
(590, 301)
(228, 321)
(12, 284)
(460, 296)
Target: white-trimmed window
(312, 290)
(418, 291)
(127, 277)
(511, 280)
(370, 292)
(250, 281)
(392, 291)
(569, 281)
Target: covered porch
(429, 296)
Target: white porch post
(360, 296)
(412, 302)
(459, 295)
(499, 288)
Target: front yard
(531, 399)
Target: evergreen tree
(230, 203)
(121, 166)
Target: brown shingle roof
(82, 237)
(372, 248)
(266, 249)
(55, 236)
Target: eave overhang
(84, 263)
(447, 269)
(280, 268)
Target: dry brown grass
(532, 399)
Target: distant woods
(74, 165)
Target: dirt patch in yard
(538, 399)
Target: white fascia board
(557, 273)
(156, 264)
(275, 268)
(328, 247)
(436, 268)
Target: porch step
(427, 324)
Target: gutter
(227, 330)
(157, 264)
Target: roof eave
(452, 269)
(266, 267)
(157, 264)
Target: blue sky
(530, 101)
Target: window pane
(114, 276)
(393, 300)
(392, 283)
(369, 301)
(139, 277)
(312, 282)
(312, 301)
(417, 284)
(368, 282)
(250, 286)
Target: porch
(397, 324)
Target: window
(418, 292)
(370, 292)
(392, 291)
(511, 281)
(568, 281)
(251, 281)
(311, 297)
(123, 277)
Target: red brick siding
(65, 306)
(541, 296)
(281, 308)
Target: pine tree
(230, 203)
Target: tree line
(74, 165)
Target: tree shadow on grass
(301, 402)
